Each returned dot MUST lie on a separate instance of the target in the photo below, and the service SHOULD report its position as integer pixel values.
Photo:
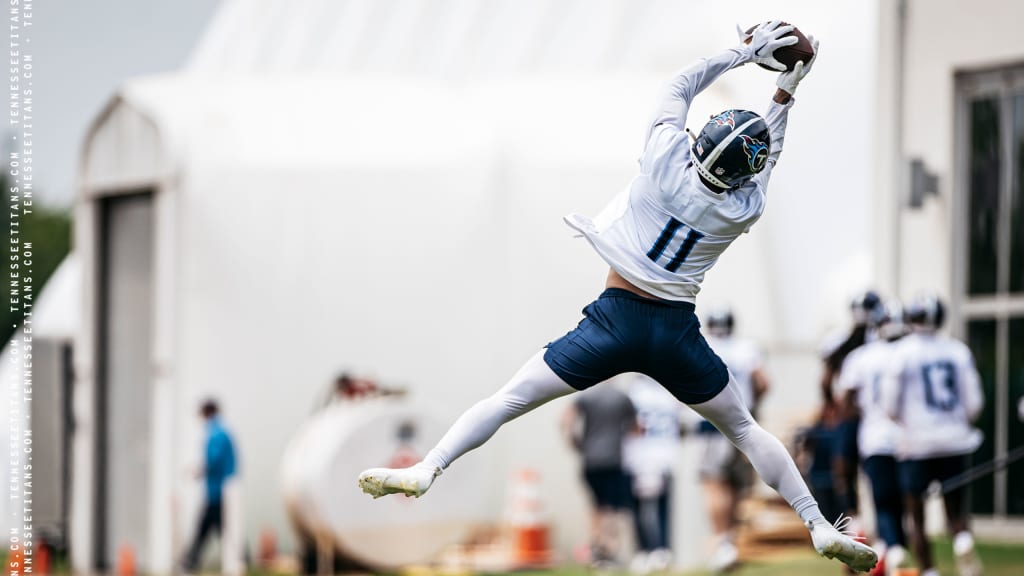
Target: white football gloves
(765, 39)
(788, 81)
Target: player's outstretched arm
(788, 81)
(891, 388)
(690, 81)
(778, 111)
(970, 381)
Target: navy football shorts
(610, 487)
(916, 475)
(624, 332)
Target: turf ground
(999, 560)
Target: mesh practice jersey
(742, 357)
(933, 390)
(863, 371)
(655, 450)
(666, 229)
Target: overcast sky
(82, 52)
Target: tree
(49, 231)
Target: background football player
(932, 389)
(867, 311)
(651, 457)
(596, 425)
(724, 472)
(878, 436)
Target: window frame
(1005, 82)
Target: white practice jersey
(666, 229)
(863, 371)
(742, 357)
(658, 412)
(933, 391)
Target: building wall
(942, 38)
(920, 249)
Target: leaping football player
(660, 236)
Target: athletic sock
(807, 508)
(963, 543)
(895, 556)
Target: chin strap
(707, 175)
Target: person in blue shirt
(219, 466)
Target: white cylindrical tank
(325, 457)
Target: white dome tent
(47, 350)
(303, 198)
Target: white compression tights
(536, 384)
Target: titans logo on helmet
(757, 152)
(725, 119)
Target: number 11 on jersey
(665, 238)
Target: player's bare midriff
(616, 281)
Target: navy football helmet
(926, 311)
(867, 309)
(731, 149)
(894, 325)
(720, 322)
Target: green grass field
(999, 560)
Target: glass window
(991, 275)
(1015, 479)
(981, 338)
(984, 196)
(1017, 199)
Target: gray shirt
(608, 415)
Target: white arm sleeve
(970, 381)
(891, 388)
(776, 117)
(849, 376)
(756, 358)
(667, 149)
(690, 81)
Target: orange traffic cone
(530, 534)
(126, 561)
(42, 558)
(267, 548)
(906, 572)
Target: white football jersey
(658, 412)
(863, 371)
(666, 229)
(742, 357)
(933, 390)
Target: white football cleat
(832, 542)
(725, 557)
(967, 562)
(659, 560)
(895, 557)
(412, 481)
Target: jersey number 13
(940, 391)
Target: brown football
(790, 55)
